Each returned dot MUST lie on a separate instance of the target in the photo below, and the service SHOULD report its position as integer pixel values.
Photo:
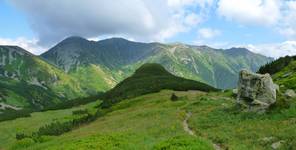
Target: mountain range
(77, 67)
(117, 58)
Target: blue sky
(13, 22)
(263, 26)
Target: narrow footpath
(191, 132)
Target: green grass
(287, 76)
(283, 71)
(93, 78)
(147, 122)
(217, 119)
(153, 121)
(8, 129)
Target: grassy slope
(283, 71)
(21, 94)
(217, 119)
(8, 129)
(153, 121)
(93, 78)
(287, 76)
(31, 79)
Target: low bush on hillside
(174, 97)
(13, 114)
(79, 112)
(57, 128)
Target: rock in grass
(290, 93)
(234, 91)
(277, 145)
(256, 92)
(267, 139)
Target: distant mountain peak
(17, 49)
(74, 39)
(238, 51)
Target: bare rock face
(256, 92)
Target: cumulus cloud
(208, 33)
(278, 14)
(260, 12)
(275, 50)
(287, 27)
(27, 44)
(139, 19)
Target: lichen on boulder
(256, 92)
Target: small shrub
(20, 136)
(79, 112)
(106, 104)
(13, 114)
(174, 97)
(281, 103)
(24, 143)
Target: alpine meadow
(148, 75)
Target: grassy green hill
(28, 81)
(150, 78)
(283, 71)
(153, 121)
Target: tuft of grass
(183, 143)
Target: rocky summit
(256, 92)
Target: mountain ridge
(120, 57)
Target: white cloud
(29, 45)
(144, 20)
(260, 12)
(279, 15)
(287, 26)
(208, 33)
(182, 3)
(192, 19)
(275, 50)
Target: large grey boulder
(256, 92)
